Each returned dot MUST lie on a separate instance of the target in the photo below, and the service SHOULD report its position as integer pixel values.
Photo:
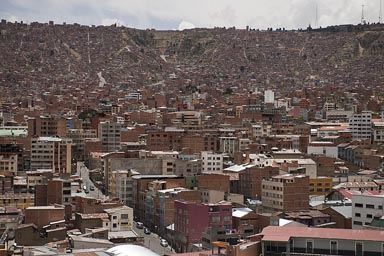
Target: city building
(46, 126)
(285, 192)
(51, 153)
(320, 241)
(269, 97)
(360, 125)
(55, 191)
(229, 145)
(326, 148)
(109, 134)
(119, 219)
(365, 207)
(212, 161)
(191, 220)
(79, 136)
(250, 180)
(320, 185)
(12, 158)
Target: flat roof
(283, 234)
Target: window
(370, 206)
(291, 244)
(114, 225)
(309, 246)
(114, 217)
(359, 205)
(359, 249)
(333, 249)
(369, 216)
(124, 216)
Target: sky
(182, 14)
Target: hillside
(40, 55)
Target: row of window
(272, 195)
(368, 206)
(357, 214)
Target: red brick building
(219, 182)
(250, 180)
(191, 220)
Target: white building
(326, 148)
(119, 219)
(133, 96)
(294, 164)
(364, 208)
(212, 161)
(282, 103)
(269, 96)
(378, 130)
(360, 125)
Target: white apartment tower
(269, 96)
(360, 125)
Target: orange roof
(333, 128)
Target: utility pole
(380, 13)
(362, 15)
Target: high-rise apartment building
(109, 134)
(360, 125)
(51, 153)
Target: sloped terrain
(40, 55)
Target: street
(83, 173)
(152, 241)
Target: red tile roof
(349, 193)
(283, 234)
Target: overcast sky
(178, 14)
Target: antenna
(316, 22)
(380, 13)
(362, 14)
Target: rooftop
(283, 234)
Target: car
(147, 231)
(163, 242)
(139, 225)
(91, 187)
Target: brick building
(285, 193)
(214, 181)
(51, 153)
(250, 180)
(191, 220)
